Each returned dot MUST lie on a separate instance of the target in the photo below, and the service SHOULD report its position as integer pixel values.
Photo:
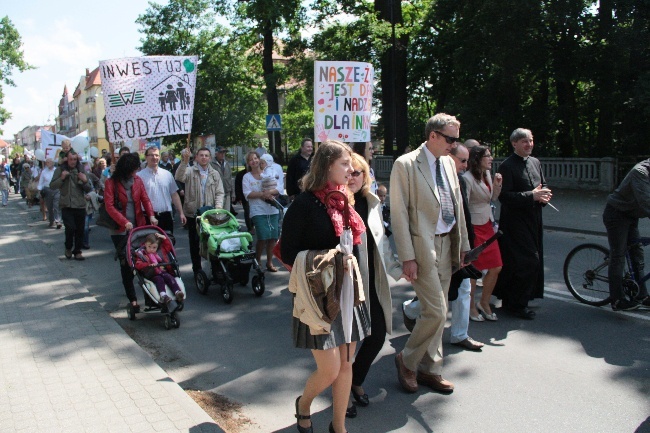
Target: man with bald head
(471, 143)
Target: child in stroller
(151, 264)
(229, 253)
(162, 297)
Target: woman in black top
(311, 225)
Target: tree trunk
(393, 79)
(605, 82)
(271, 90)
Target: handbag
(103, 218)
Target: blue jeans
(5, 197)
(622, 230)
(460, 313)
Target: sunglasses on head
(448, 139)
(356, 173)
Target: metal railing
(573, 173)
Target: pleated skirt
(303, 339)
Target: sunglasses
(356, 173)
(448, 139)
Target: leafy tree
(262, 21)
(11, 57)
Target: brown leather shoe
(407, 378)
(435, 382)
(469, 344)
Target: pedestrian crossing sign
(273, 122)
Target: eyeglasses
(448, 139)
(462, 161)
(356, 173)
(487, 156)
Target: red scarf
(335, 211)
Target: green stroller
(229, 252)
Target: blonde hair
(328, 152)
(359, 162)
(248, 154)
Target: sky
(61, 39)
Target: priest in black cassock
(523, 195)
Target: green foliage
(576, 72)
(11, 57)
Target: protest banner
(51, 143)
(147, 97)
(342, 100)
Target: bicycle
(585, 274)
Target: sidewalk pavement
(582, 212)
(66, 365)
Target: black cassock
(522, 276)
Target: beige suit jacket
(415, 207)
(478, 198)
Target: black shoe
(408, 322)
(351, 412)
(625, 305)
(524, 313)
(299, 417)
(332, 429)
(361, 399)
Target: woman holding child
(263, 214)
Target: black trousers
(74, 221)
(194, 244)
(371, 345)
(622, 231)
(165, 221)
(127, 274)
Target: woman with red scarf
(312, 224)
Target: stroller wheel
(176, 321)
(168, 322)
(258, 285)
(226, 292)
(202, 282)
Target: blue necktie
(445, 197)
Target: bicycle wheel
(585, 274)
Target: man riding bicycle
(629, 202)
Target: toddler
(66, 147)
(147, 259)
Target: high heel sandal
(299, 417)
(361, 399)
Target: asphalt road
(574, 368)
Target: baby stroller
(229, 252)
(153, 305)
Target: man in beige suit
(431, 239)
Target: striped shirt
(160, 186)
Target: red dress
(491, 256)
